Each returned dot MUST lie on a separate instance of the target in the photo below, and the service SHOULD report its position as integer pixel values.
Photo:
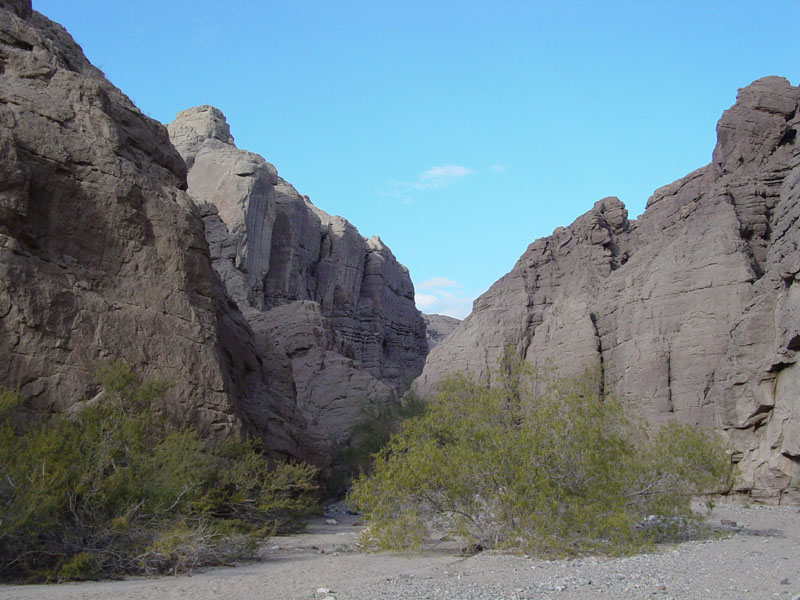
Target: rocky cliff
(438, 327)
(103, 254)
(335, 308)
(265, 313)
(692, 310)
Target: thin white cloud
(432, 179)
(437, 282)
(453, 306)
(439, 177)
(444, 297)
(498, 168)
(425, 300)
(445, 172)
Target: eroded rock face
(102, 252)
(439, 327)
(338, 308)
(692, 310)
(266, 314)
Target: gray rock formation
(265, 313)
(334, 306)
(438, 327)
(692, 310)
(102, 252)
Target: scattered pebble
(737, 564)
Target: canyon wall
(439, 327)
(198, 266)
(691, 311)
(338, 308)
(103, 254)
(202, 267)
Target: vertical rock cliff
(102, 252)
(263, 312)
(337, 308)
(692, 310)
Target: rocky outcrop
(692, 310)
(102, 252)
(334, 306)
(263, 312)
(438, 327)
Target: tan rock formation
(692, 310)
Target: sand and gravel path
(762, 561)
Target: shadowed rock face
(296, 327)
(692, 310)
(102, 252)
(337, 308)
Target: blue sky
(457, 131)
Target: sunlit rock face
(336, 307)
(691, 311)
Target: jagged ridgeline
(264, 313)
(691, 312)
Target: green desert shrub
(562, 472)
(373, 431)
(120, 490)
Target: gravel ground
(760, 560)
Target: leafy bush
(373, 431)
(121, 491)
(563, 472)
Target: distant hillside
(439, 327)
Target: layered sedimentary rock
(438, 327)
(336, 307)
(692, 310)
(102, 252)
